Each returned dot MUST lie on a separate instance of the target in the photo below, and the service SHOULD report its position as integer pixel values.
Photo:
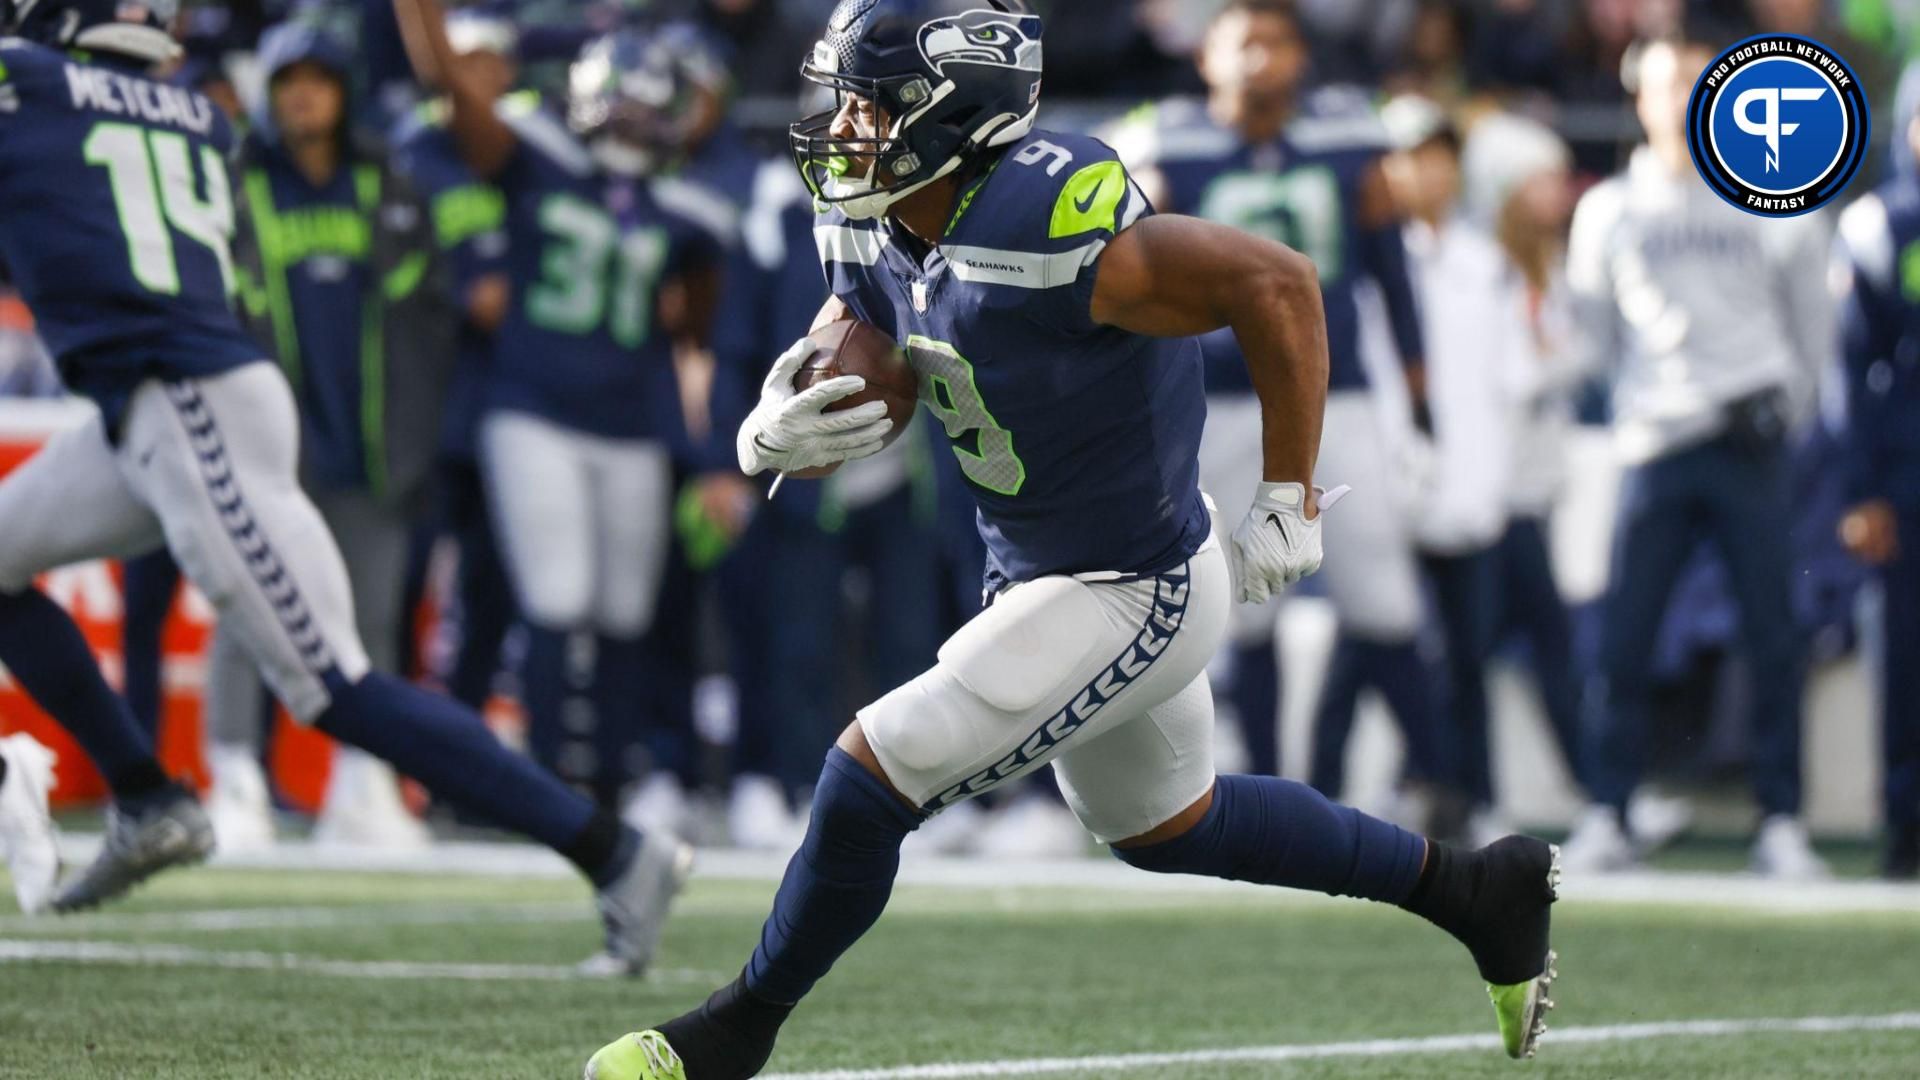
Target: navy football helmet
(950, 78)
(138, 29)
(631, 101)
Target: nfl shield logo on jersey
(1777, 125)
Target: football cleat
(1522, 1010)
(633, 906)
(138, 846)
(26, 832)
(1525, 910)
(643, 1055)
(1785, 853)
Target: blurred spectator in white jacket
(1473, 324)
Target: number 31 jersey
(587, 255)
(117, 221)
(1078, 440)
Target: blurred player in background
(583, 407)
(469, 225)
(334, 260)
(1711, 322)
(1879, 243)
(1471, 322)
(1264, 155)
(119, 224)
(1050, 314)
(714, 575)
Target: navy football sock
(1278, 832)
(621, 703)
(1256, 700)
(836, 884)
(545, 690)
(43, 649)
(445, 746)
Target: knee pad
(854, 813)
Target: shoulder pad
(1050, 190)
(777, 189)
(839, 239)
(1867, 235)
(548, 137)
(699, 204)
(1173, 131)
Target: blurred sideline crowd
(686, 649)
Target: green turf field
(347, 975)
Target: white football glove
(1277, 546)
(790, 431)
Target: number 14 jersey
(1078, 440)
(116, 222)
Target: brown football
(852, 347)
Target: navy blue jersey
(1078, 440)
(319, 262)
(117, 223)
(1302, 189)
(1879, 245)
(587, 254)
(469, 224)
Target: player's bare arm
(1172, 276)
(485, 140)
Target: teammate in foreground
(1050, 315)
(119, 216)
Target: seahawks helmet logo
(982, 37)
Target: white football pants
(206, 466)
(1103, 676)
(584, 522)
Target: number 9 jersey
(118, 219)
(1078, 440)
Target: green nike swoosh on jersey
(1090, 200)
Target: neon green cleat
(1522, 1009)
(644, 1055)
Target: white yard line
(1737, 891)
(1117, 1063)
(114, 953)
(222, 920)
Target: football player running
(117, 230)
(1050, 314)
